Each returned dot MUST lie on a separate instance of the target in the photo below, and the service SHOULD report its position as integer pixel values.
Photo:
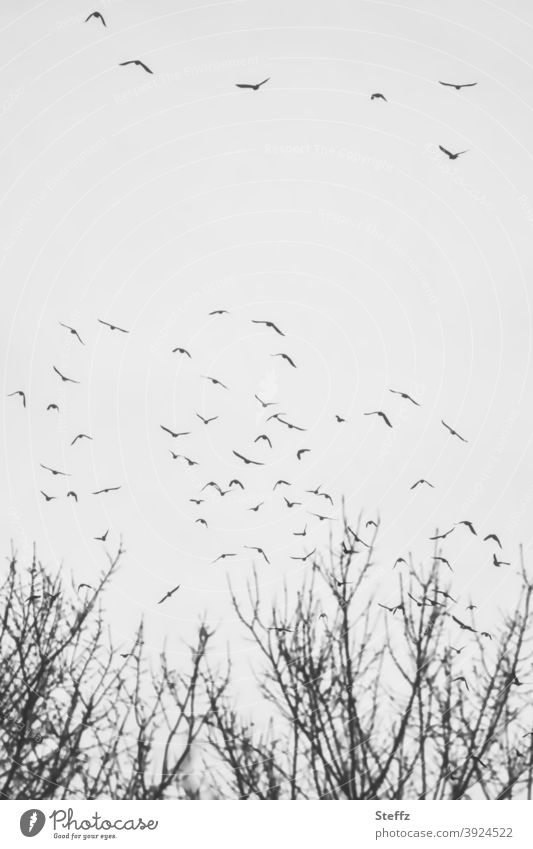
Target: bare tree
(365, 700)
(78, 719)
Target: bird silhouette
(206, 421)
(197, 501)
(371, 524)
(494, 537)
(339, 419)
(264, 437)
(269, 324)
(259, 551)
(286, 358)
(452, 155)
(499, 563)
(420, 481)
(300, 533)
(453, 432)
(405, 396)
(381, 414)
(201, 522)
(103, 537)
(399, 560)
(291, 504)
(305, 556)
(169, 594)
(54, 471)
(443, 560)
(463, 625)
(174, 434)
(107, 489)
(265, 404)
(463, 680)
(457, 86)
(256, 507)
(252, 86)
(137, 62)
(326, 496)
(391, 609)
(80, 436)
(469, 525)
(48, 497)
(211, 483)
(223, 556)
(219, 312)
(444, 535)
(188, 460)
(320, 517)
(73, 495)
(246, 460)
(446, 595)
(63, 378)
(236, 482)
(281, 483)
(301, 452)
(181, 351)
(214, 381)
(378, 96)
(18, 392)
(89, 587)
(287, 424)
(112, 326)
(98, 16)
(53, 407)
(73, 331)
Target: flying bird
(463, 680)
(265, 404)
(223, 556)
(63, 378)
(285, 357)
(301, 452)
(73, 331)
(236, 482)
(326, 496)
(85, 585)
(80, 436)
(265, 437)
(98, 16)
(378, 96)
(246, 460)
(281, 483)
(371, 523)
(257, 506)
(457, 86)
(291, 504)
(300, 533)
(463, 625)
(53, 407)
(453, 432)
(112, 326)
(469, 525)
(211, 483)
(206, 421)
(381, 414)
(494, 537)
(21, 393)
(259, 551)
(404, 395)
(399, 560)
(73, 495)
(103, 537)
(320, 517)
(219, 312)
(253, 86)
(444, 535)
(443, 560)
(305, 556)
(173, 433)
(47, 497)
(214, 381)
(287, 424)
(451, 155)
(54, 471)
(107, 489)
(181, 351)
(201, 522)
(197, 501)
(137, 62)
(188, 460)
(422, 480)
(169, 594)
(499, 563)
(339, 419)
(391, 609)
(268, 324)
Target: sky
(150, 200)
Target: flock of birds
(263, 440)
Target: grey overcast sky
(151, 200)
